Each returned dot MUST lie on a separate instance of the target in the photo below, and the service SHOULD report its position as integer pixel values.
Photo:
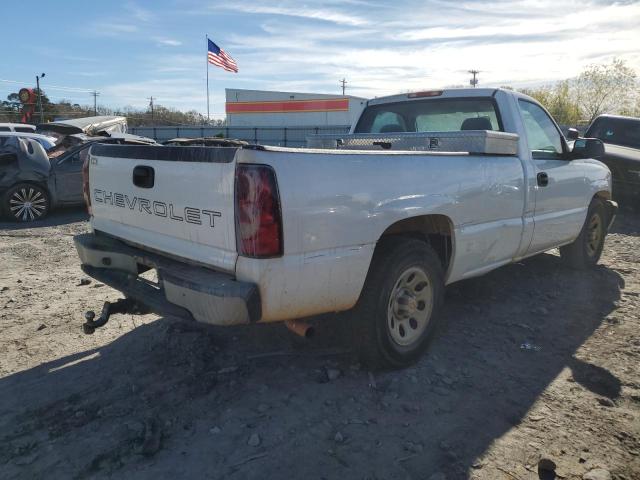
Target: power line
(344, 85)
(474, 81)
(95, 100)
(50, 87)
(151, 105)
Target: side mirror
(572, 134)
(587, 148)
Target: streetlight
(39, 96)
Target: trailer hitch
(123, 305)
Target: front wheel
(26, 202)
(586, 250)
(397, 310)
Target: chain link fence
(278, 136)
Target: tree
(559, 100)
(605, 88)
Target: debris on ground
(148, 397)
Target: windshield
(618, 131)
(439, 115)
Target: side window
(543, 136)
(5, 129)
(24, 129)
(388, 122)
(79, 156)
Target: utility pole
(153, 122)
(474, 80)
(40, 97)
(95, 102)
(344, 85)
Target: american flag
(220, 58)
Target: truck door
(68, 173)
(560, 208)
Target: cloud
(139, 13)
(381, 48)
(112, 29)
(168, 42)
(297, 10)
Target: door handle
(543, 179)
(143, 176)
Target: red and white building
(261, 108)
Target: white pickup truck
(247, 233)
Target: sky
(130, 50)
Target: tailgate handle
(143, 176)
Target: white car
(428, 189)
(17, 127)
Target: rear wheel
(26, 202)
(585, 251)
(397, 311)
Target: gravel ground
(535, 365)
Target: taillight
(258, 213)
(85, 184)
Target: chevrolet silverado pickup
(427, 189)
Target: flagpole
(207, 58)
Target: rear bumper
(182, 290)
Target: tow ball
(123, 305)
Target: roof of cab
(446, 93)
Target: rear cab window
(431, 115)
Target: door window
(544, 138)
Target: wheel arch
(435, 229)
(602, 195)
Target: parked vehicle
(34, 181)
(47, 142)
(102, 125)
(621, 137)
(17, 127)
(246, 234)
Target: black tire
(378, 327)
(585, 251)
(26, 202)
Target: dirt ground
(533, 361)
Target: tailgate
(175, 200)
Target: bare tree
(605, 88)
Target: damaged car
(34, 181)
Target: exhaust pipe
(301, 328)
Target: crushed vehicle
(101, 125)
(33, 181)
(429, 188)
(17, 127)
(621, 138)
